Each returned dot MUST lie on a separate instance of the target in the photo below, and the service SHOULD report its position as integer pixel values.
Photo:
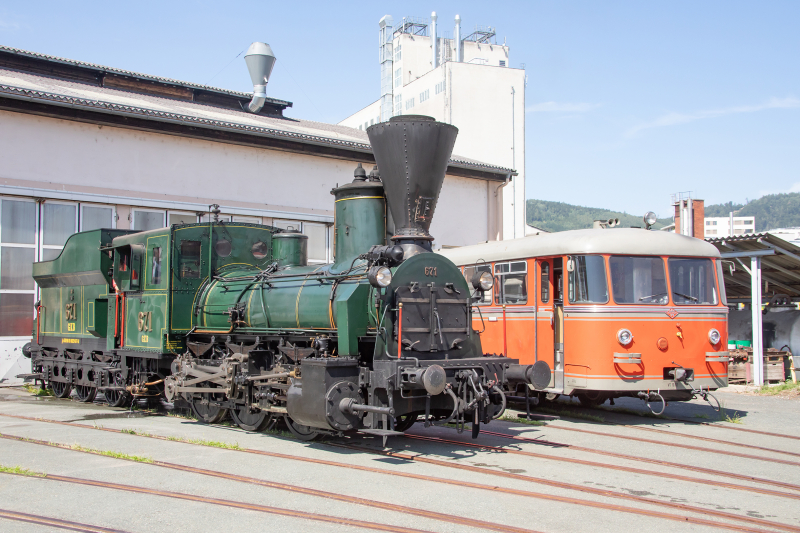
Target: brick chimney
(698, 216)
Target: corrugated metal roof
(122, 72)
(780, 268)
(60, 92)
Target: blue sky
(627, 102)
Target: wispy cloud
(8, 24)
(556, 107)
(673, 119)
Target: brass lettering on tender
(70, 341)
(145, 321)
(430, 271)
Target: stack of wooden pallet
(740, 369)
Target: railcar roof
(627, 241)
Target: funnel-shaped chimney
(412, 153)
(260, 60)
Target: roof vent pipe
(434, 41)
(260, 60)
(457, 40)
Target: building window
(748, 230)
(97, 217)
(248, 220)
(398, 104)
(424, 95)
(147, 219)
(18, 242)
(180, 218)
(398, 77)
(502, 63)
(409, 103)
(440, 87)
(398, 53)
(360, 127)
(59, 221)
(317, 242)
(711, 232)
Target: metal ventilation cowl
(260, 60)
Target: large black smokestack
(412, 152)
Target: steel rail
(673, 506)
(453, 519)
(55, 522)
(620, 468)
(709, 439)
(747, 430)
(674, 434)
(375, 526)
(681, 466)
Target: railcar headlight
(380, 276)
(714, 337)
(650, 218)
(624, 336)
(482, 281)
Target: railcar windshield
(638, 280)
(587, 279)
(692, 281)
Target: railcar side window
(692, 281)
(638, 280)
(470, 271)
(545, 282)
(512, 283)
(155, 274)
(190, 259)
(587, 279)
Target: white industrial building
(84, 146)
(729, 226)
(465, 81)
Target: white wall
(461, 216)
(364, 118)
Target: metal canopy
(761, 267)
(780, 265)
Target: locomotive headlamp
(380, 276)
(714, 336)
(624, 336)
(482, 281)
(650, 218)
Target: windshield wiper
(652, 296)
(692, 298)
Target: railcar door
(550, 318)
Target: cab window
(587, 279)
(470, 271)
(512, 287)
(190, 259)
(638, 280)
(692, 281)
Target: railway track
(54, 522)
(681, 466)
(452, 519)
(375, 526)
(672, 506)
(685, 435)
(583, 462)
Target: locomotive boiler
(230, 318)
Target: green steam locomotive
(230, 318)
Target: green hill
(770, 211)
(558, 216)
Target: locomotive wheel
(404, 422)
(85, 393)
(300, 431)
(117, 398)
(208, 414)
(249, 420)
(60, 390)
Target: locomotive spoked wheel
(300, 431)
(60, 390)
(85, 393)
(205, 412)
(117, 398)
(250, 420)
(404, 422)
